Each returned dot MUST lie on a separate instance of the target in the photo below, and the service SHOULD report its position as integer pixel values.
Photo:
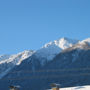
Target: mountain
(51, 49)
(7, 62)
(64, 61)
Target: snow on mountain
(86, 41)
(62, 43)
(84, 44)
(3, 57)
(17, 58)
(51, 49)
(21, 56)
(7, 63)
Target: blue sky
(29, 24)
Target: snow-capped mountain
(9, 61)
(51, 49)
(44, 54)
(50, 62)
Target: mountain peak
(65, 42)
(85, 41)
(51, 49)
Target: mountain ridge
(75, 55)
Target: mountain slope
(9, 62)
